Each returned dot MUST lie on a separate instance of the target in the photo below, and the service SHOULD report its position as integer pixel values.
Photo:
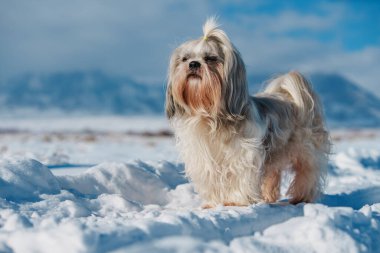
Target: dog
(236, 146)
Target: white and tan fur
(235, 146)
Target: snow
(86, 141)
(25, 179)
(102, 198)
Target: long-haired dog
(235, 146)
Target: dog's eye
(184, 59)
(211, 59)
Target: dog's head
(207, 77)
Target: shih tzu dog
(236, 146)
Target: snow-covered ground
(87, 140)
(116, 185)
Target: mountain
(87, 92)
(346, 104)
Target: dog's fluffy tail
(296, 88)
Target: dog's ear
(171, 107)
(235, 88)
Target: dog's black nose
(194, 65)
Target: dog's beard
(200, 91)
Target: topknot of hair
(210, 27)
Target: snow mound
(328, 230)
(25, 179)
(138, 181)
(151, 207)
(53, 239)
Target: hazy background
(118, 50)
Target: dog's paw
(232, 204)
(269, 200)
(207, 206)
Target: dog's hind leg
(270, 188)
(306, 185)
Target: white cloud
(133, 38)
(136, 38)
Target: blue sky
(136, 38)
(357, 28)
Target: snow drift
(150, 207)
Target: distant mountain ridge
(94, 92)
(88, 92)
